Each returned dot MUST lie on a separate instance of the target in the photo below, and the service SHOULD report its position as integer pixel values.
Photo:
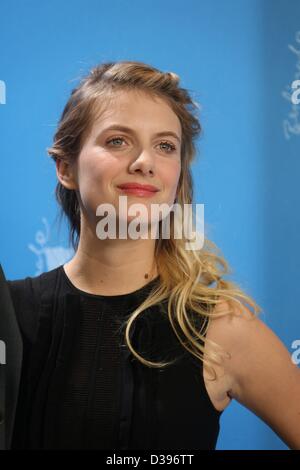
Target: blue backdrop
(239, 58)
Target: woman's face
(111, 157)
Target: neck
(112, 267)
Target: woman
(114, 339)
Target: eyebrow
(118, 127)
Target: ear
(66, 174)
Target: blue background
(235, 56)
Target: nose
(143, 163)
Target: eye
(169, 145)
(114, 138)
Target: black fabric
(10, 363)
(81, 387)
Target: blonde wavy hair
(192, 281)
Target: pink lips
(142, 190)
(141, 187)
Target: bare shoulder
(257, 370)
(219, 332)
(227, 332)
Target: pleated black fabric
(81, 388)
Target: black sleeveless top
(82, 388)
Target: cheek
(172, 175)
(96, 171)
(94, 177)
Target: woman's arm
(261, 372)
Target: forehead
(138, 110)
